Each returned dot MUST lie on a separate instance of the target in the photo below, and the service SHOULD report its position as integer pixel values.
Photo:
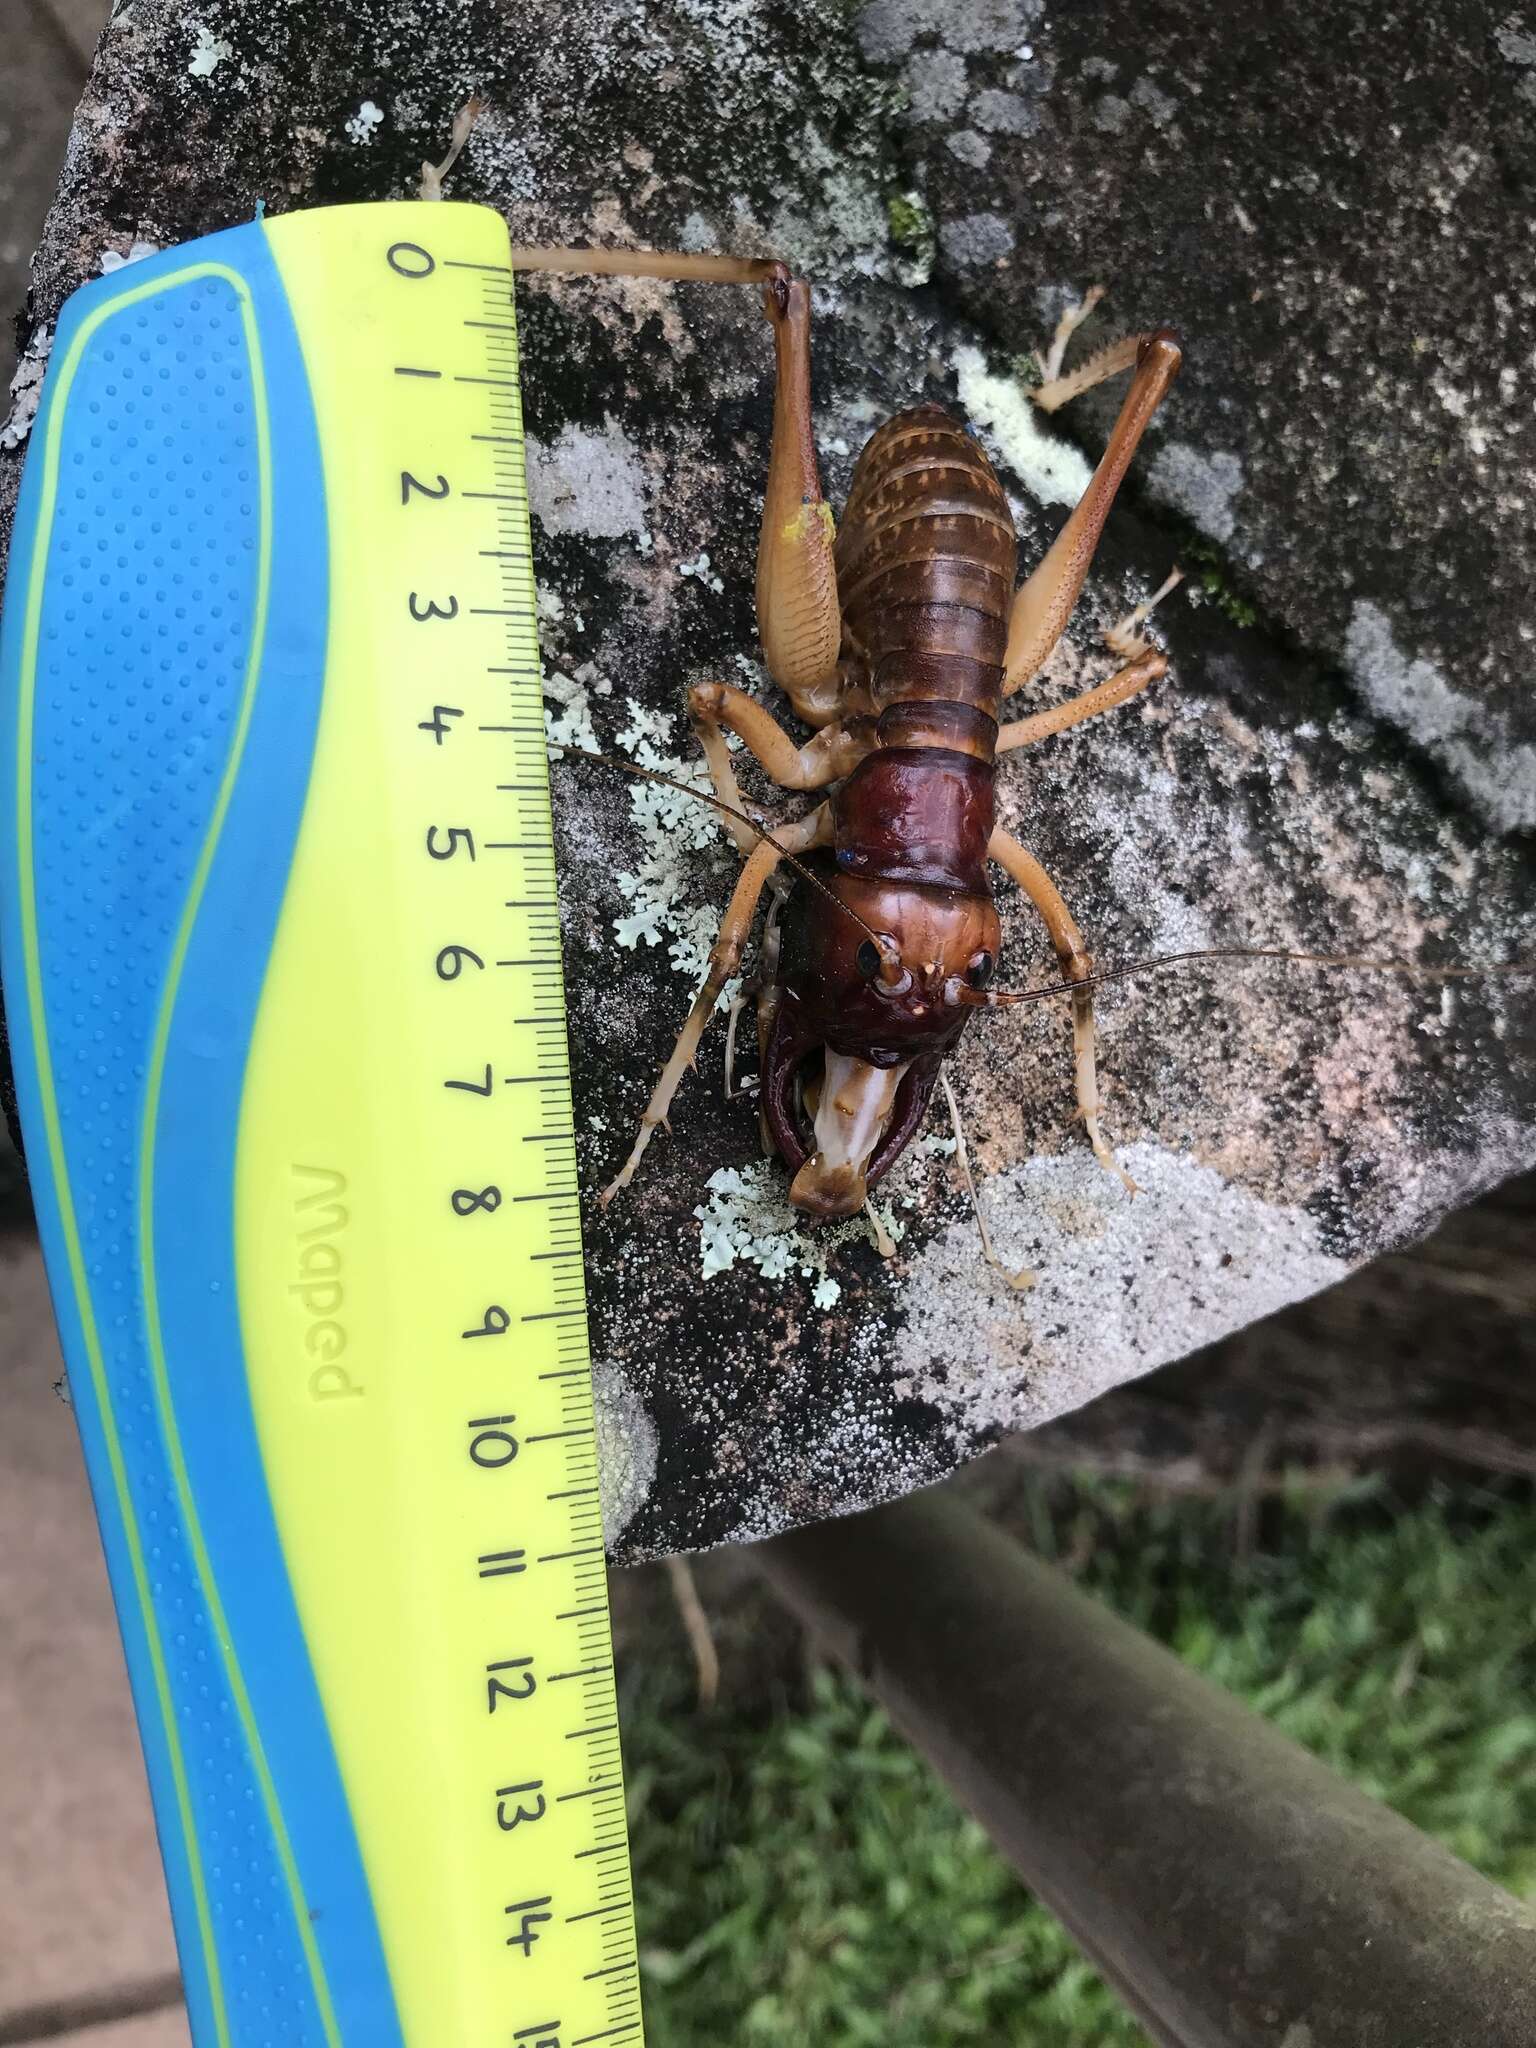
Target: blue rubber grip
(161, 665)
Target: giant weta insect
(898, 639)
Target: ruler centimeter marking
(526, 946)
(445, 711)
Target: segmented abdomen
(926, 559)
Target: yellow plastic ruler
(307, 1181)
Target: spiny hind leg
(1056, 389)
(1125, 636)
(1043, 603)
(1076, 963)
(797, 609)
(724, 959)
(798, 615)
(1051, 359)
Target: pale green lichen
(571, 725)
(1202, 484)
(672, 825)
(27, 389)
(626, 1449)
(208, 52)
(702, 570)
(1053, 471)
(748, 1221)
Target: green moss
(1026, 370)
(911, 226)
(809, 1880)
(1212, 572)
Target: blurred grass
(801, 1876)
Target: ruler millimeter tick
(282, 969)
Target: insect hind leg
(798, 614)
(1124, 637)
(1051, 359)
(799, 618)
(1044, 601)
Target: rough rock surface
(1283, 1126)
(1333, 204)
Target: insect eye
(867, 959)
(979, 973)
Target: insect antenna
(718, 803)
(996, 999)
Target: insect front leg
(1044, 601)
(1076, 962)
(724, 959)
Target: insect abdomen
(926, 559)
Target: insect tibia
(1072, 318)
(1123, 638)
(1108, 362)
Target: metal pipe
(1235, 1892)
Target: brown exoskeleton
(897, 639)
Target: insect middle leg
(1126, 683)
(1076, 962)
(1144, 665)
(835, 751)
(724, 958)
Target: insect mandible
(898, 639)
